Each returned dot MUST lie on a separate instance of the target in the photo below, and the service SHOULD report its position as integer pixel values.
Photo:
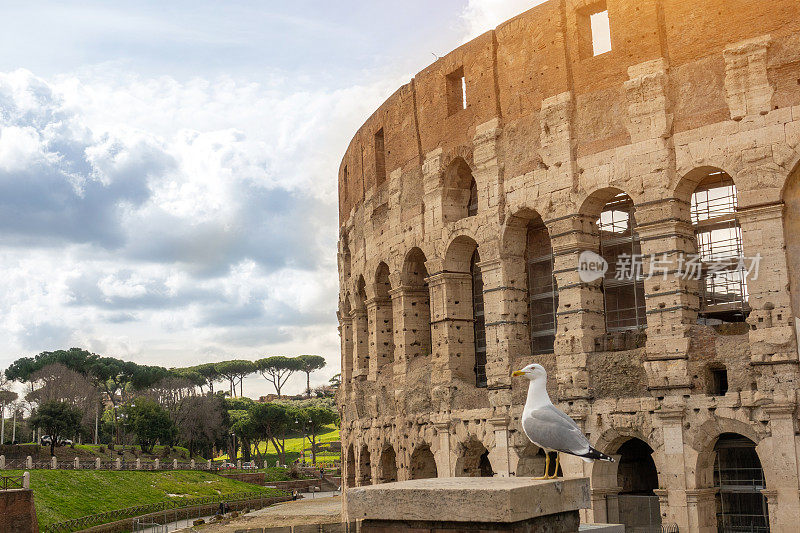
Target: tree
(56, 419)
(277, 370)
(234, 371)
(6, 397)
(317, 417)
(149, 422)
(202, 422)
(308, 364)
(336, 381)
(271, 422)
(210, 374)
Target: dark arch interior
(637, 472)
(739, 480)
(423, 464)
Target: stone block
(505, 500)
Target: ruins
(467, 201)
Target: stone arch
(705, 438)
(738, 483)
(383, 317)
(423, 463)
(791, 229)
(458, 187)
(613, 212)
(626, 487)
(528, 254)
(416, 306)
(387, 467)
(458, 254)
(689, 181)
(473, 460)
(350, 467)
(713, 200)
(364, 467)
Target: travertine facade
(550, 134)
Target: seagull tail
(593, 454)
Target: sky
(168, 168)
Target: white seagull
(550, 428)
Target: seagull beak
(518, 373)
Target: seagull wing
(549, 428)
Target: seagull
(548, 427)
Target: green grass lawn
(65, 494)
(295, 444)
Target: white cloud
(171, 222)
(483, 15)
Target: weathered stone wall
(18, 512)
(552, 133)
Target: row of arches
(720, 275)
(630, 485)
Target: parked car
(227, 466)
(249, 466)
(46, 440)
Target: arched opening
(347, 340)
(460, 192)
(364, 468)
(721, 266)
(416, 305)
(388, 466)
(423, 463)
(474, 461)
(542, 291)
(739, 480)
(351, 467)
(791, 231)
(479, 321)
(637, 478)
(384, 317)
(361, 330)
(623, 283)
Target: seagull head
(532, 372)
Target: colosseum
(468, 200)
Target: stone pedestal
(470, 504)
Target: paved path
(323, 508)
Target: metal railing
(85, 522)
(11, 482)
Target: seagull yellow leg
(546, 466)
(555, 470)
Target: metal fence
(11, 482)
(640, 513)
(86, 522)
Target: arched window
(542, 293)
(739, 480)
(417, 310)
(623, 284)
(719, 244)
(384, 317)
(637, 478)
(423, 463)
(480, 322)
(472, 206)
(460, 192)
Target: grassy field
(63, 494)
(295, 444)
